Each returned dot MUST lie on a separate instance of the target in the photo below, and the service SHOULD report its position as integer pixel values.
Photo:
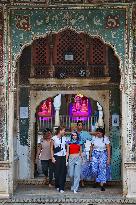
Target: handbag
(57, 149)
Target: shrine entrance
(69, 63)
(73, 107)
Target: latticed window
(69, 54)
(40, 57)
(69, 43)
(97, 52)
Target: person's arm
(81, 151)
(52, 151)
(94, 133)
(108, 151)
(67, 154)
(39, 148)
(90, 153)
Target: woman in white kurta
(100, 157)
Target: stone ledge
(42, 181)
(4, 164)
(69, 81)
(69, 200)
(130, 165)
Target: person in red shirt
(74, 160)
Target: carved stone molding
(4, 165)
(74, 81)
(55, 2)
(130, 165)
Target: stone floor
(41, 194)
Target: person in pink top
(44, 154)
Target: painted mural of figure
(46, 108)
(50, 107)
(100, 158)
(77, 104)
(80, 106)
(84, 107)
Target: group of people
(64, 156)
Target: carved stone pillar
(3, 155)
(4, 162)
(130, 147)
(57, 104)
(100, 119)
(131, 179)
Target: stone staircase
(27, 194)
(67, 200)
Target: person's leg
(95, 161)
(62, 174)
(102, 170)
(57, 171)
(82, 178)
(51, 170)
(44, 164)
(71, 171)
(77, 171)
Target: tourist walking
(58, 154)
(74, 158)
(83, 137)
(100, 157)
(44, 154)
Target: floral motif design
(112, 21)
(23, 22)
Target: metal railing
(67, 121)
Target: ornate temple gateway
(81, 50)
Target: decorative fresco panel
(23, 22)
(112, 22)
(90, 20)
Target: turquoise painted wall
(115, 136)
(109, 23)
(24, 122)
(27, 23)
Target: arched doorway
(73, 107)
(67, 62)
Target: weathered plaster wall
(2, 87)
(134, 76)
(109, 22)
(28, 23)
